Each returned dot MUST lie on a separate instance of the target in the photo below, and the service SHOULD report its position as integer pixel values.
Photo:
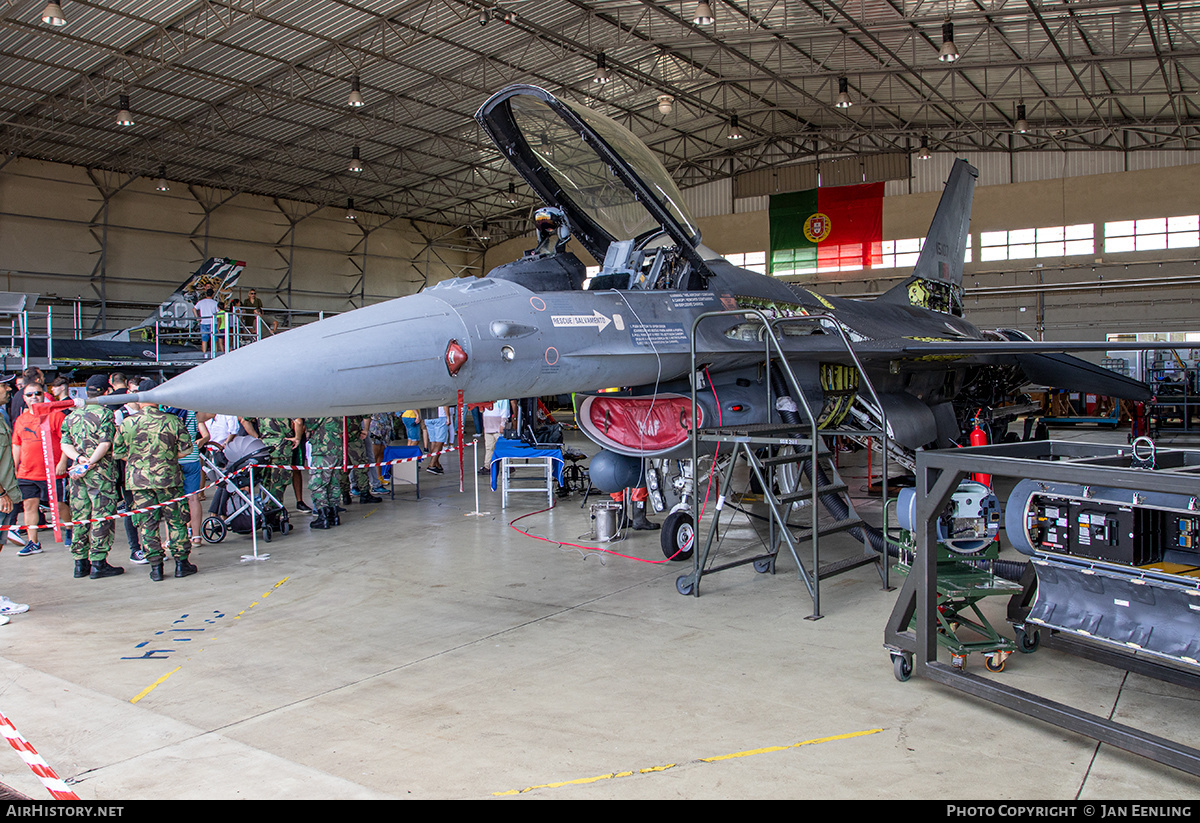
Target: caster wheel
(213, 529)
(267, 532)
(678, 538)
(902, 667)
(1028, 643)
(683, 585)
(765, 566)
(994, 662)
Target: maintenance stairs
(797, 495)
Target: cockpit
(612, 193)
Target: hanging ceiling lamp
(843, 98)
(665, 103)
(356, 165)
(124, 116)
(355, 100)
(704, 14)
(735, 133)
(948, 53)
(350, 213)
(162, 184)
(924, 153)
(53, 15)
(601, 76)
(1022, 125)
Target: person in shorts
(206, 311)
(412, 426)
(438, 428)
(31, 465)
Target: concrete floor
(417, 652)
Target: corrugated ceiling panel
(842, 171)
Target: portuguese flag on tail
(828, 229)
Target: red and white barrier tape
(53, 783)
(174, 500)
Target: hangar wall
(73, 233)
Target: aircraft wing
(1044, 362)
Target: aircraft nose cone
(348, 364)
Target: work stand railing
(779, 454)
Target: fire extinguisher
(979, 438)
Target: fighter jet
(531, 328)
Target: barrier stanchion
(253, 526)
(475, 461)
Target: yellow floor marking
(793, 746)
(717, 758)
(154, 685)
(162, 679)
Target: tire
(1028, 643)
(267, 533)
(765, 565)
(993, 662)
(902, 667)
(213, 529)
(677, 532)
(683, 585)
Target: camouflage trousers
(147, 523)
(323, 486)
(92, 541)
(356, 452)
(277, 480)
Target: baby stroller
(232, 504)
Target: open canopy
(609, 184)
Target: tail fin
(217, 273)
(936, 281)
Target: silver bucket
(606, 521)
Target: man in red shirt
(31, 465)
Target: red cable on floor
(707, 492)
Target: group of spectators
(145, 460)
(82, 463)
(216, 315)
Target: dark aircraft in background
(530, 328)
(173, 322)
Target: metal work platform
(798, 491)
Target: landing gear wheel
(213, 529)
(994, 662)
(677, 532)
(902, 667)
(1028, 643)
(684, 585)
(765, 565)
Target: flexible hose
(865, 534)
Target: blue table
(510, 450)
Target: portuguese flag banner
(828, 229)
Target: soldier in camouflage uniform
(356, 454)
(278, 434)
(87, 438)
(151, 443)
(325, 438)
